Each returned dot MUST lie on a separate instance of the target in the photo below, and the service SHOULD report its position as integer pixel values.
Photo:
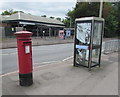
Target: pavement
(62, 78)
(36, 41)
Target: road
(41, 55)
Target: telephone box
(88, 41)
(24, 45)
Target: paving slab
(62, 78)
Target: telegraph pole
(101, 8)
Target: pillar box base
(26, 79)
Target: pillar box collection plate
(24, 45)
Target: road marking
(48, 63)
(9, 73)
(10, 53)
(67, 58)
(33, 67)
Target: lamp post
(70, 22)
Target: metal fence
(110, 46)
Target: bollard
(24, 45)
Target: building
(40, 26)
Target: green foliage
(43, 16)
(110, 13)
(69, 19)
(111, 23)
(66, 22)
(83, 9)
(10, 12)
(86, 9)
(58, 18)
(52, 17)
(111, 26)
(118, 17)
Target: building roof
(89, 18)
(29, 17)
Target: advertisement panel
(61, 34)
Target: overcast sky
(42, 7)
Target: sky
(55, 8)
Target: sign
(61, 34)
(83, 32)
(68, 33)
(12, 29)
(26, 23)
(27, 49)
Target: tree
(10, 12)
(117, 7)
(58, 18)
(71, 18)
(52, 17)
(82, 9)
(118, 18)
(111, 26)
(43, 16)
(111, 23)
(88, 9)
(66, 22)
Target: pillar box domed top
(23, 34)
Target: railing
(110, 46)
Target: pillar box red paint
(24, 45)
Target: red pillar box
(24, 44)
